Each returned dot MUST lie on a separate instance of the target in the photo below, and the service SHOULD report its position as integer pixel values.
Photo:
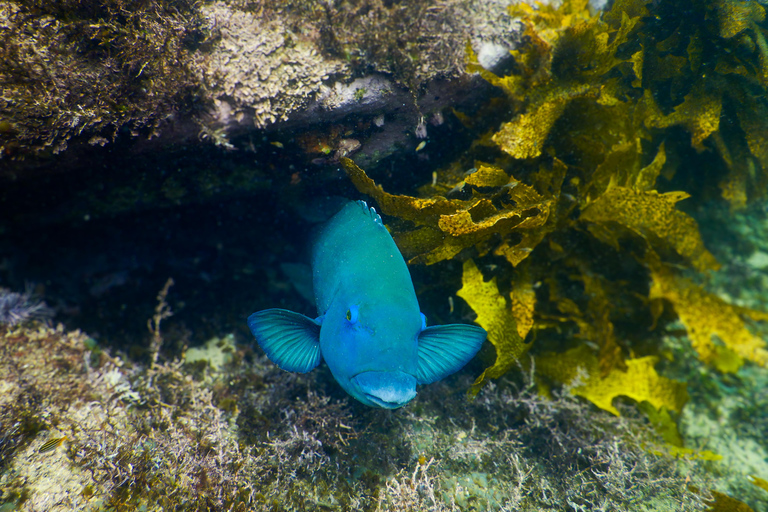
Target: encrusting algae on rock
(83, 430)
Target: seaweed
(93, 69)
(16, 308)
(582, 194)
(704, 315)
(507, 327)
(118, 436)
(639, 381)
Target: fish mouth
(388, 390)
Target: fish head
(372, 351)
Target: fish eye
(352, 314)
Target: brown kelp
(574, 202)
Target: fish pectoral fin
(290, 340)
(445, 349)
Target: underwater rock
(226, 69)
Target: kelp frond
(583, 200)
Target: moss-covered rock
(81, 430)
(78, 74)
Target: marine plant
(87, 431)
(95, 69)
(573, 206)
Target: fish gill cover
(573, 203)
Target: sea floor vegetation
(82, 430)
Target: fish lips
(386, 389)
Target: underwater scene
(384, 255)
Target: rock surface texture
(80, 75)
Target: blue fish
(369, 331)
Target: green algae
(153, 438)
